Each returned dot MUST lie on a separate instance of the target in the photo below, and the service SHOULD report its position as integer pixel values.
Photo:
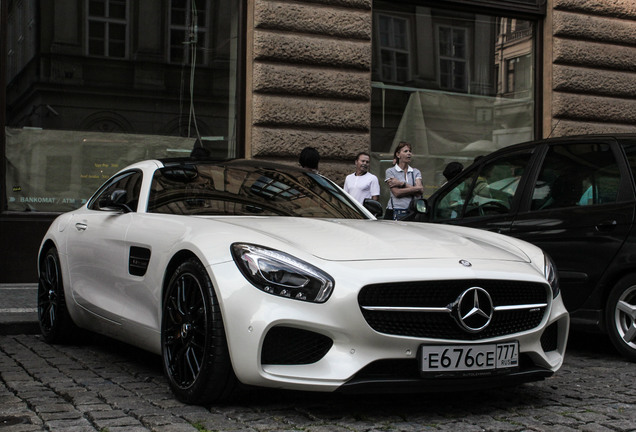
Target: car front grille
(429, 309)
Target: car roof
(546, 141)
(561, 139)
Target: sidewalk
(18, 309)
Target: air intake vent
(292, 346)
(549, 338)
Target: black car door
(579, 210)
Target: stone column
(593, 70)
(309, 81)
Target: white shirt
(361, 187)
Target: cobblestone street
(106, 386)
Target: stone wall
(309, 81)
(590, 67)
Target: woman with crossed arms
(405, 182)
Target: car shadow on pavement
(360, 406)
(591, 344)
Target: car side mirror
(421, 206)
(418, 211)
(115, 201)
(374, 207)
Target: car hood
(347, 240)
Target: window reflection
(394, 48)
(452, 58)
(107, 83)
(454, 84)
(185, 38)
(246, 190)
(107, 28)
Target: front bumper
(356, 357)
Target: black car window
(128, 181)
(487, 191)
(577, 175)
(450, 204)
(208, 189)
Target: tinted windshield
(208, 189)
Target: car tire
(56, 324)
(194, 348)
(620, 317)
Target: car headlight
(281, 274)
(552, 276)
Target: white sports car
(262, 274)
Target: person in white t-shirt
(362, 184)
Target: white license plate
(459, 358)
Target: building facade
(92, 85)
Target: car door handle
(81, 226)
(607, 225)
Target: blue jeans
(395, 214)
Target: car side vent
(138, 260)
(292, 346)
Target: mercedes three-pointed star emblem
(474, 309)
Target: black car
(574, 197)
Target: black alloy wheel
(56, 324)
(195, 354)
(620, 317)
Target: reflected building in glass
(94, 85)
(454, 84)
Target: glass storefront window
(455, 84)
(110, 83)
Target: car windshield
(247, 189)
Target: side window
(630, 151)
(128, 181)
(577, 175)
(491, 192)
(450, 206)
(496, 185)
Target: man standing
(362, 184)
